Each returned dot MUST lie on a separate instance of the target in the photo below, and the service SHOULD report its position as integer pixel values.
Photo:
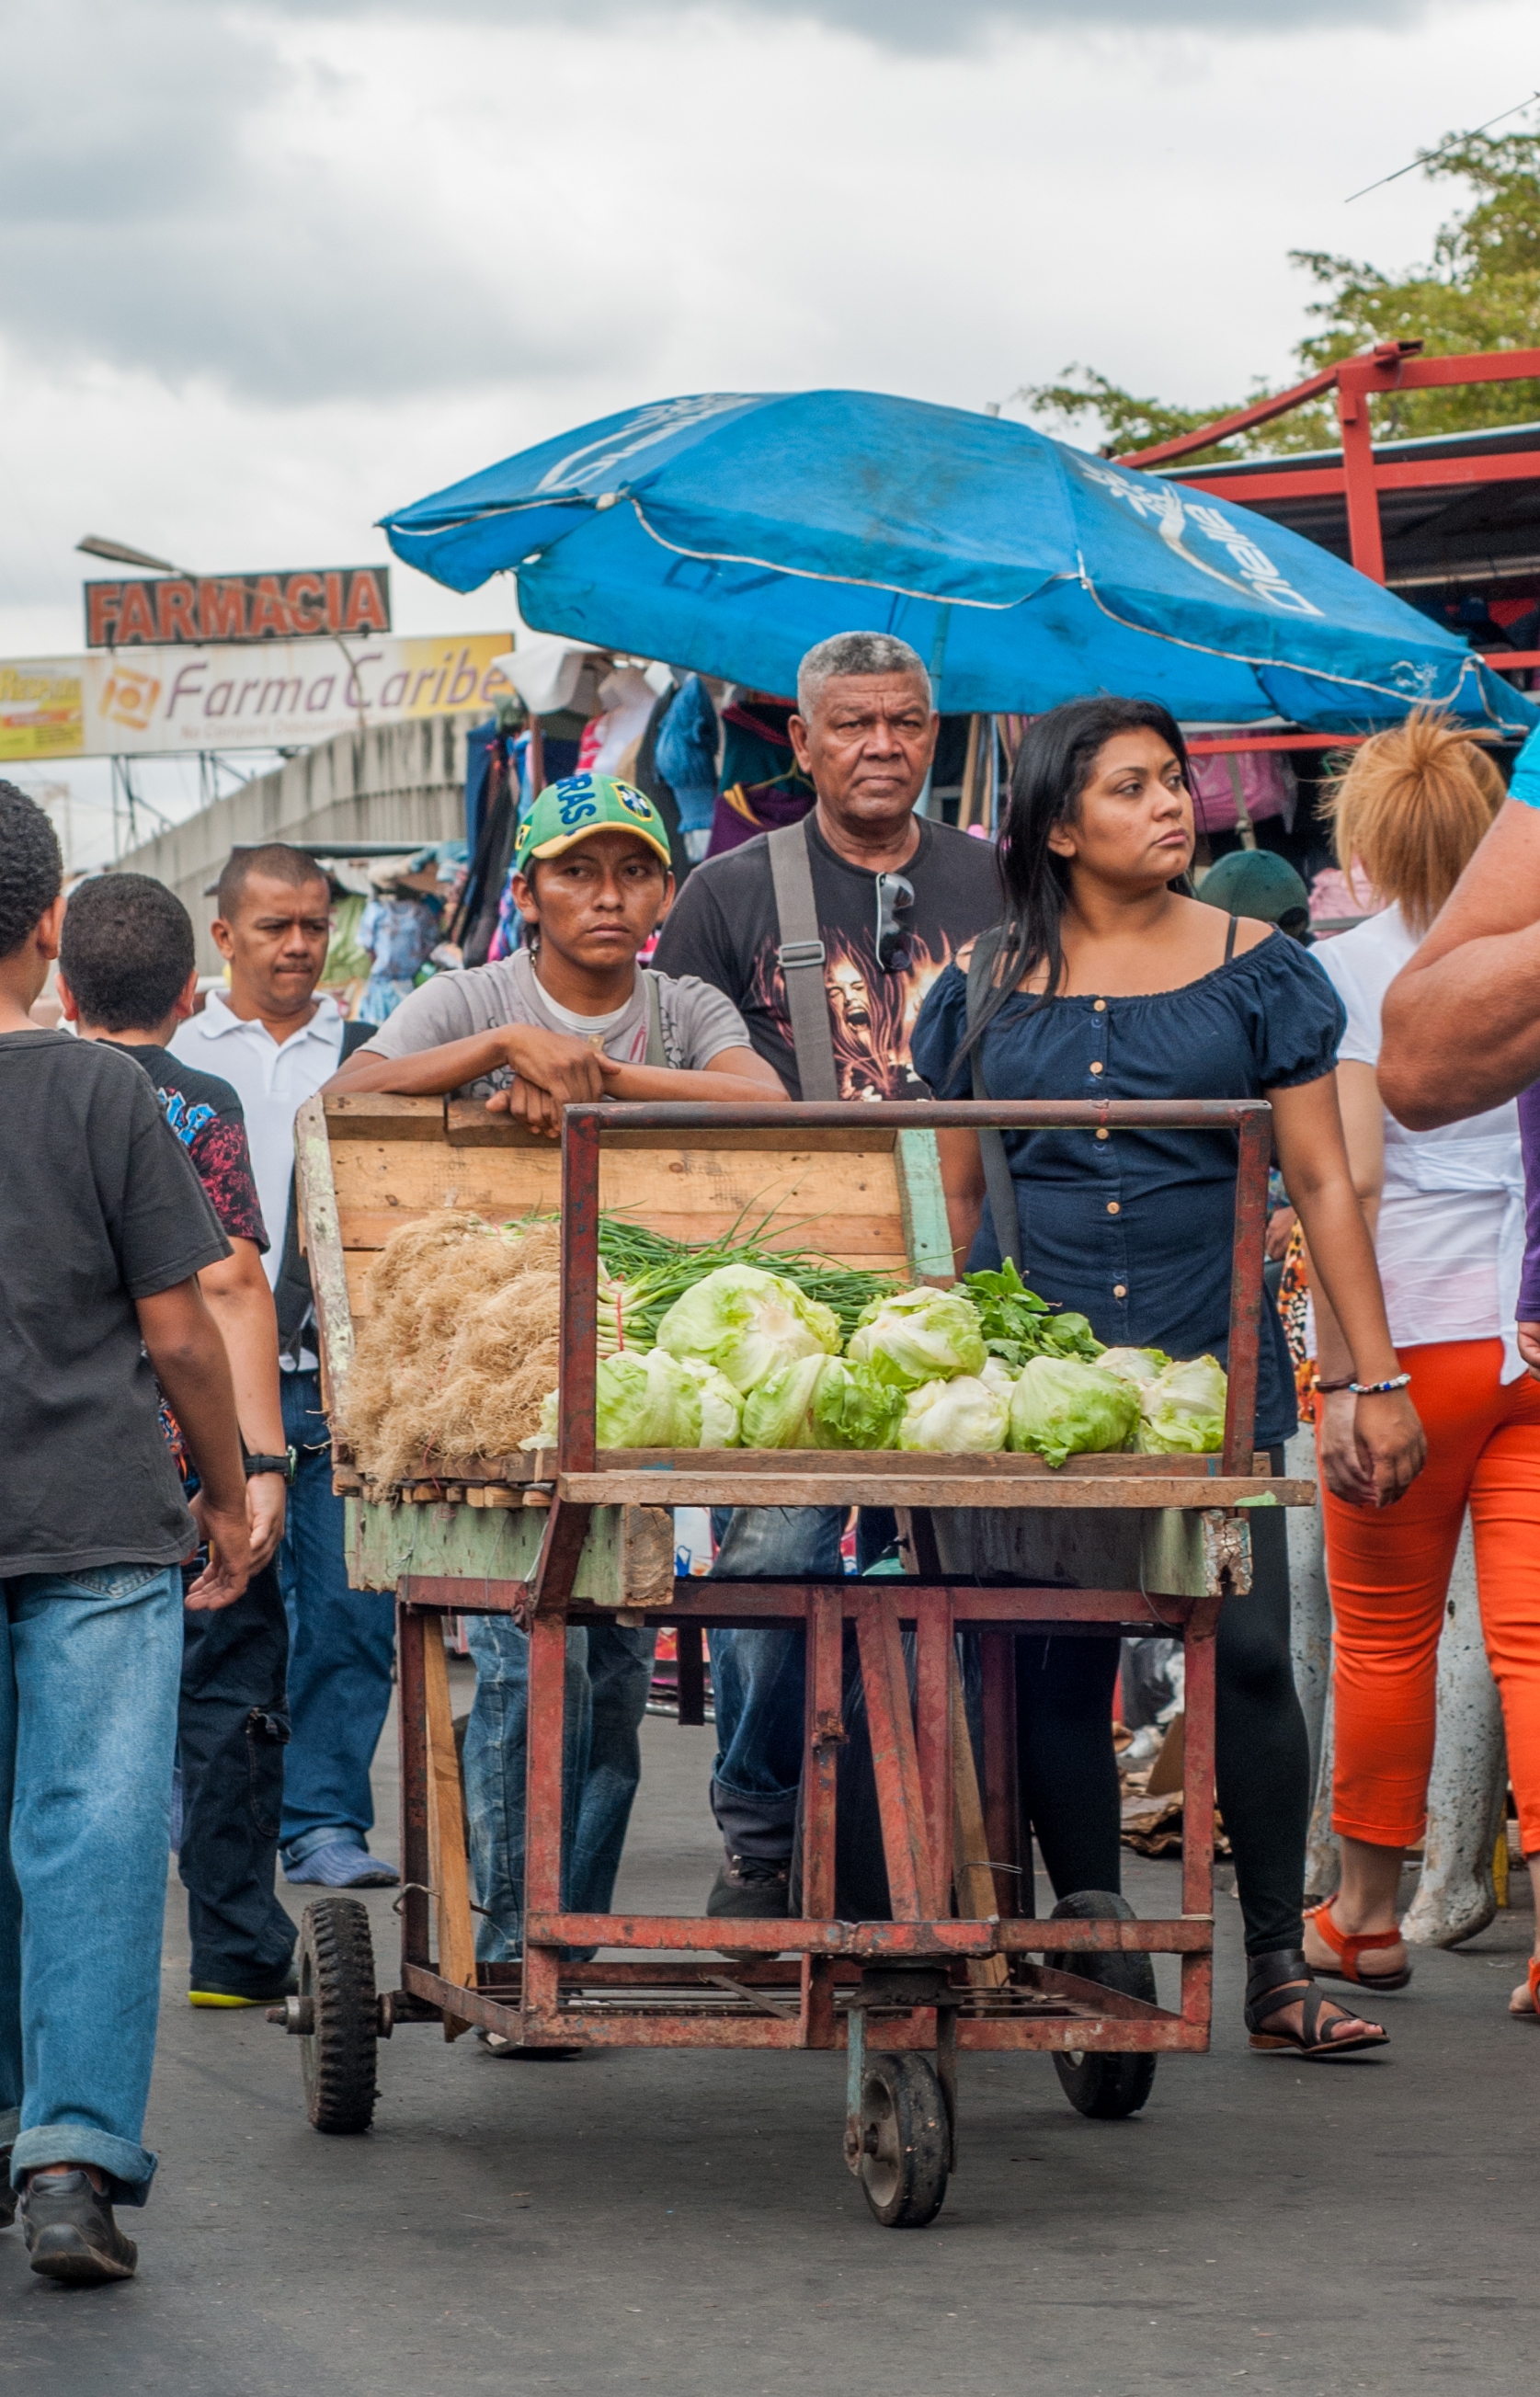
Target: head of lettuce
(923, 1335)
(1062, 1407)
(747, 1323)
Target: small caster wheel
(336, 1969)
(1105, 2087)
(905, 2141)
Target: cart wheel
(1106, 2087)
(336, 1962)
(905, 2142)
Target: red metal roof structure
(1458, 512)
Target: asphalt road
(636, 2222)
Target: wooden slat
(355, 1114)
(469, 1125)
(873, 1242)
(910, 1486)
(316, 1196)
(447, 1865)
(975, 1883)
(1005, 1464)
(806, 1190)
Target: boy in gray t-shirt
(573, 1017)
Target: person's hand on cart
(552, 1070)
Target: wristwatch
(284, 1465)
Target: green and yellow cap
(580, 805)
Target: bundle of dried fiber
(428, 1283)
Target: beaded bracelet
(1379, 1390)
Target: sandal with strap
(1532, 2011)
(1348, 1945)
(1274, 1981)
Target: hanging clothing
(764, 806)
(686, 754)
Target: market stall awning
(728, 531)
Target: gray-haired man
(827, 938)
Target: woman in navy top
(1112, 982)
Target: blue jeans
(90, 1666)
(757, 1679)
(608, 1673)
(342, 1646)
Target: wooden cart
(559, 1539)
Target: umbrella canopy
(728, 532)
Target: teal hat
(580, 805)
(1258, 882)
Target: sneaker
(7, 2194)
(71, 2234)
(287, 1988)
(751, 1886)
(342, 1864)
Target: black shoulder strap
(800, 959)
(656, 1053)
(1230, 938)
(998, 1181)
(291, 1292)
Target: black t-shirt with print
(207, 1117)
(98, 1206)
(724, 929)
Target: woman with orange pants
(1447, 1209)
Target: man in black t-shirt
(865, 735)
(127, 977)
(104, 1229)
(895, 896)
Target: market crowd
(184, 1665)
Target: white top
(272, 1079)
(1451, 1238)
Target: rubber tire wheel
(336, 1969)
(1107, 2088)
(905, 2141)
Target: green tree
(1480, 291)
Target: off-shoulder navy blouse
(1136, 1230)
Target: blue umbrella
(728, 532)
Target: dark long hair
(1053, 765)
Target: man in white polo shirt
(276, 1043)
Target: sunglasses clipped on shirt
(895, 929)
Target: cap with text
(580, 805)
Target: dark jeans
(608, 1674)
(232, 1729)
(342, 1648)
(758, 1677)
(1068, 1770)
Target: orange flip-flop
(1532, 2011)
(1348, 1945)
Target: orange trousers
(1388, 1572)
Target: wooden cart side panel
(321, 1232)
(627, 1559)
(846, 1204)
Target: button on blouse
(1135, 1228)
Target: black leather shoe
(751, 1888)
(71, 2234)
(7, 2194)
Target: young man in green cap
(569, 1016)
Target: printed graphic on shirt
(185, 1122)
(872, 1012)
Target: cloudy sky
(268, 269)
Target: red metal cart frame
(927, 1979)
